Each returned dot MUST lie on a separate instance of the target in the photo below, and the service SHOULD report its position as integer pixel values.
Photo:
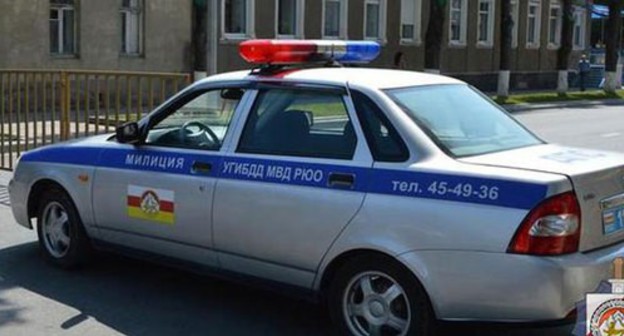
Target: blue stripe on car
(428, 185)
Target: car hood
(75, 151)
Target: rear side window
(299, 123)
(462, 121)
(383, 140)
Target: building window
(290, 18)
(514, 29)
(457, 22)
(374, 19)
(63, 27)
(131, 27)
(579, 28)
(335, 19)
(410, 21)
(485, 33)
(238, 19)
(533, 24)
(554, 25)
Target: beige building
(156, 35)
(150, 35)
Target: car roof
(368, 77)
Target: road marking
(611, 135)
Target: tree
(198, 47)
(614, 27)
(504, 72)
(434, 35)
(563, 54)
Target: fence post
(65, 105)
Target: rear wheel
(374, 295)
(62, 238)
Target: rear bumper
(482, 286)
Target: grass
(547, 97)
(322, 109)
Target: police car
(396, 198)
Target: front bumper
(18, 195)
(483, 286)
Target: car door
(158, 196)
(291, 184)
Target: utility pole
(506, 29)
(612, 66)
(199, 38)
(212, 34)
(434, 35)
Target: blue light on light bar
(361, 52)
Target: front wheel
(374, 295)
(62, 237)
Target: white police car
(394, 197)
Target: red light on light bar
(277, 52)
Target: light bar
(306, 51)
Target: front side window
(374, 23)
(199, 123)
(299, 123)
(579, 28)
(410, 20)
(131, 27)
(461, 120)
(457, 22)
(290, 18)
(485, 34)
(554, 25)
(63, 26)
(237, 21)
(533, 24)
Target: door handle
(199, 167)
(341, 180)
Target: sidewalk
(520, 108)
(5, 177)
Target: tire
(62, 238)
(375, 295)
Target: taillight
(553, 227)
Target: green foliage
(549, 97)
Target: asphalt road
(599, 127)
(116, 295)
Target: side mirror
(128, 133)
(232, 94)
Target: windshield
(461, 120)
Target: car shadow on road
(139, 298)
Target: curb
(519, 108)
(5, 177)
